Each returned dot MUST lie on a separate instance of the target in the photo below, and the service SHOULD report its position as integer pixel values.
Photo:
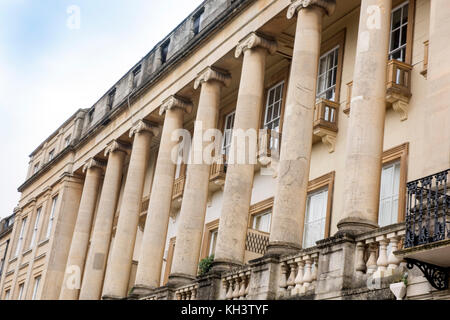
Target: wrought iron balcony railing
(427, 210)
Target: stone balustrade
(374, 254)
(188, 292)
(236, 284)
(298, 273)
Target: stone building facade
(342, 191)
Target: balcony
(427, 223)
(217, 173)
(398, 88)
(326, 123)
(269, 149)
(177, 193)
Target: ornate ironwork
(427, 210)
(437, 276)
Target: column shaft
(193, 208)
(230, 247)
(119, 268)
(292, 184)
(80, 239)
(154, 239)
(366, 126)
(91, 287)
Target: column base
(277, 249)
(179, 279)
(219, 266)
(354, 226)
(140, 290)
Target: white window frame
(274, 117)
(393, 196)
(52, 216)
(258, 218)
(325, 75)
(21, 236)
(228, 132)
(8, 294)
(21, 288)
(401, 48)
(37, 281)
(36, 225)
(213, 234)
(307, 213)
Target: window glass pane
(328, 74)
(212, 242)
(315, 218)
(389, 191)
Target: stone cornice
(93, 163)
(143, 125)
(117, 146)
(328, 6)
(212, 74)
(255, 40)
(174, 102)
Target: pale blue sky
(48, 70)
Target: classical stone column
(155, 231)
(94, 272)
(366, 125)
(193, 207)
(80, 239)
(293, 176)
(230, 246)
(119, 268)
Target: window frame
(7, 295)
(258, 209)
(169, 259)
(51, 216)
(136, 76)
(198, 17)
(208, 229)
(338, 40)
(34, 235)
(111, 97)
(51, 155)
(21, 289)
(322, 182)
(22, 236)
(37, 282)
(410, 32)
(338, 48)
(67, 140)
(398, 153)
(164, 51)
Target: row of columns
(365, 139)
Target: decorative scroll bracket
(437, 276)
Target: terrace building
(347, 114)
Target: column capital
(93, 163)
(328, 6)
(118, 146)
(142, 125)
(175, 101)
(210, 74)
(255, 40)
